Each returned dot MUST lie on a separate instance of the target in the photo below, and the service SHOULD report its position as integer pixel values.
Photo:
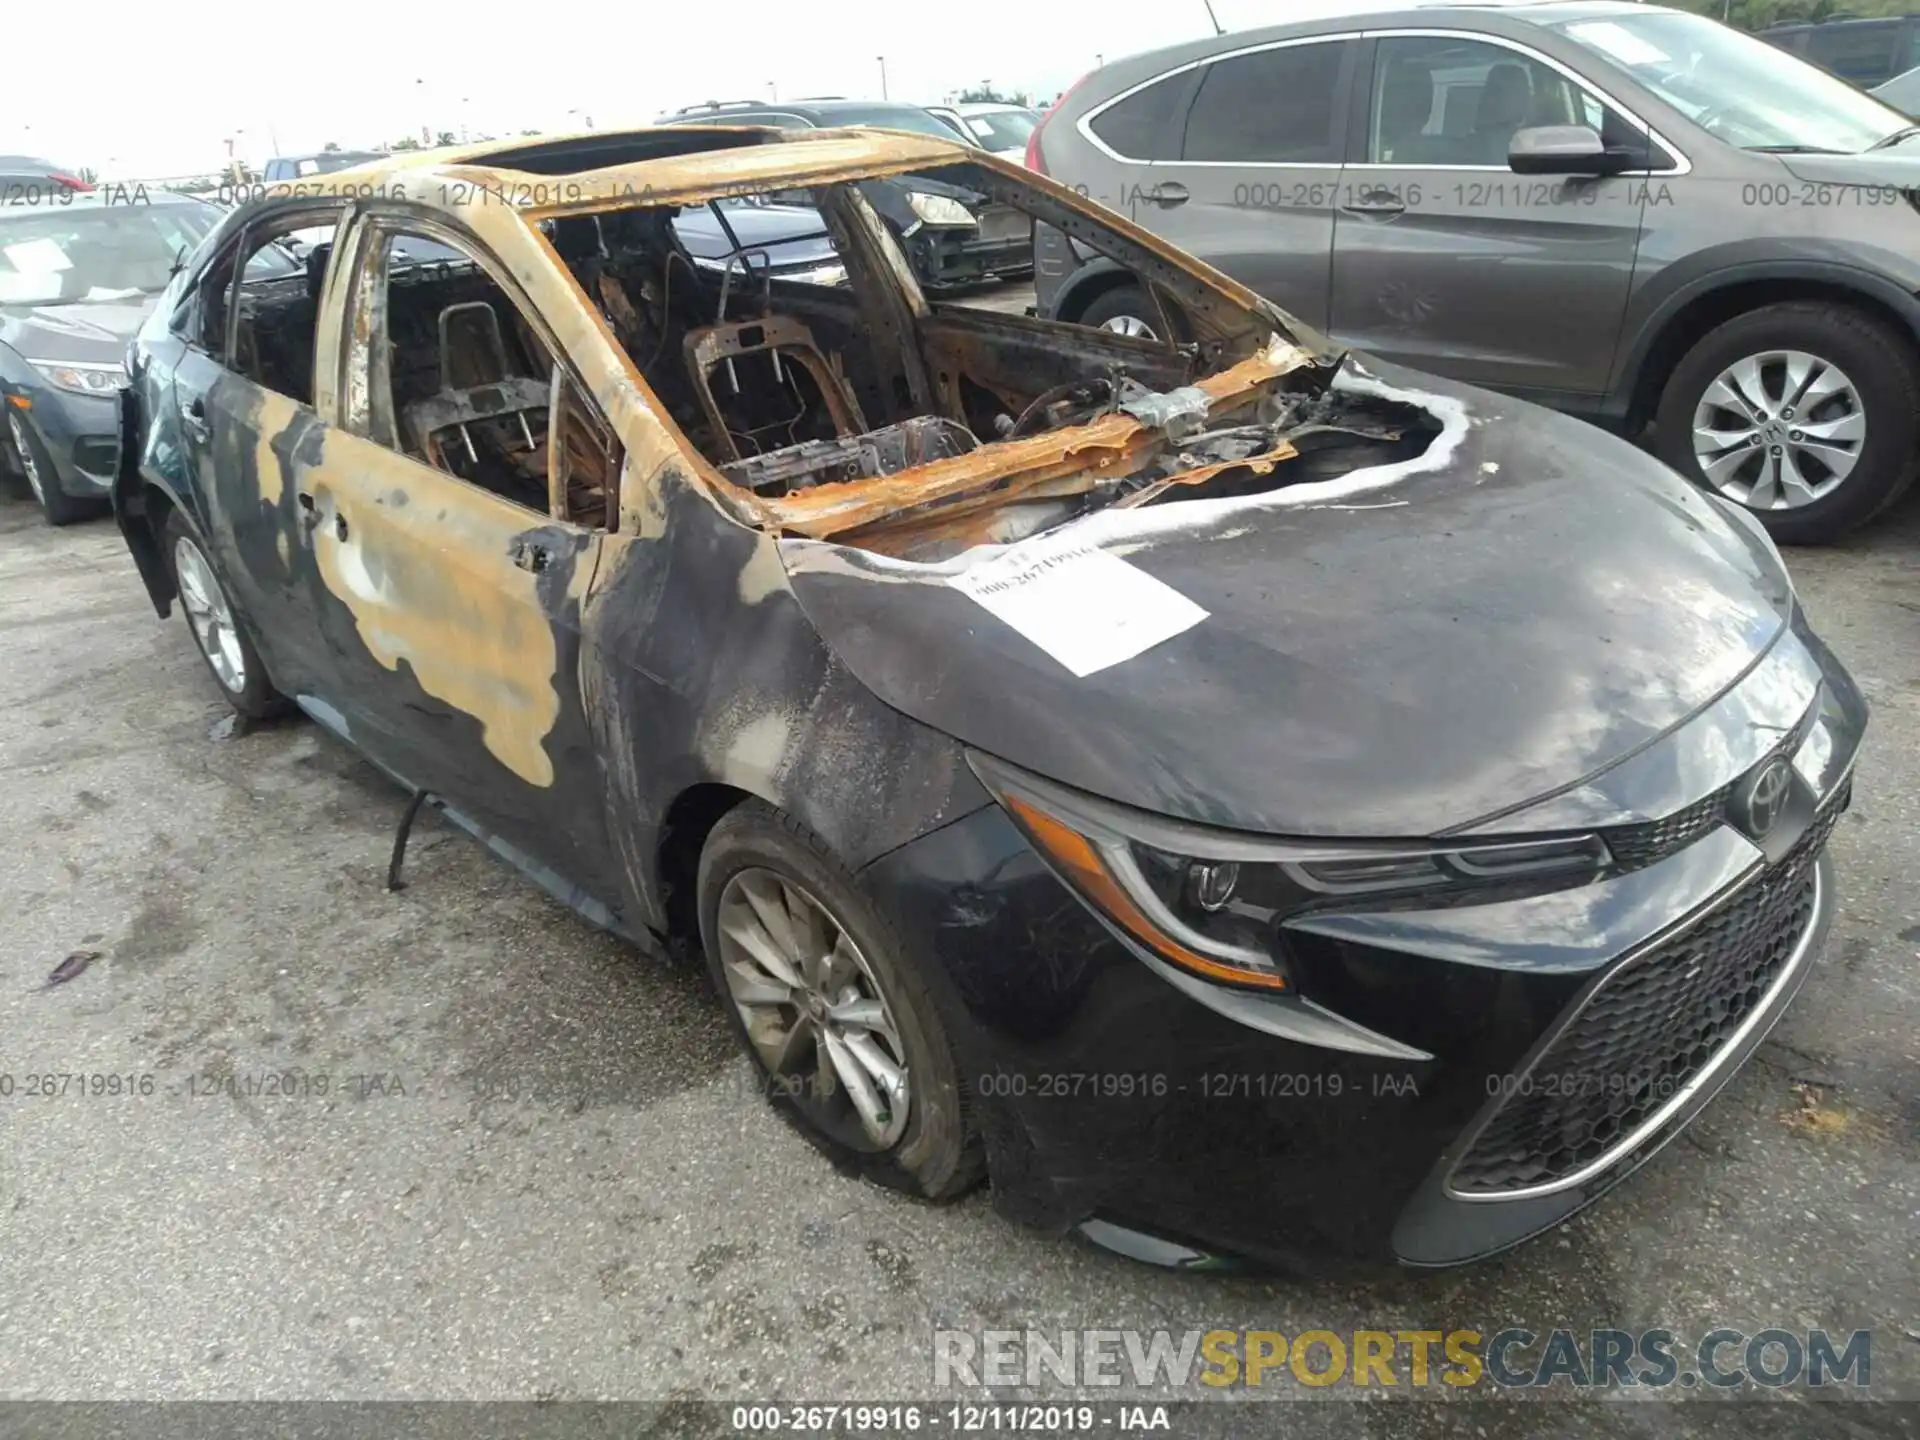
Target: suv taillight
(1036, 161)
(70, 182)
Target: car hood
(790, 234)
(1396, 652)
(1898, 166)
(97, 331)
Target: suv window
(1275, 106)
(1440, 101)
(1863, 51)
(1144, 125)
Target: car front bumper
(78, 434)
(1186, 1122)
(999, 247)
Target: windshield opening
(81, 253)
(1738, 89)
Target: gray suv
(1629, 213)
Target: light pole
(883, 75)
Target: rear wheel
(833, 1009)
(218, 627)
(1806, 413)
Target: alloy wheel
(210, 615)
(1779, 430)
(1129, 325)
(813, 1010)
(28, 466)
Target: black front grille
(1635, 845)
(1648, 1028)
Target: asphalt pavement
(509, 1158)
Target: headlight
(1212, 902)
(834, 274)
(939, 209)
(83, 377)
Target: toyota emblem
(1765, 798)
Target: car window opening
(805, 365)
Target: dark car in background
(1868, 50)
(77, 276)
(785, 242)
(32, 180)
(1629, 213)
(952, 235)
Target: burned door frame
(259, 438)
(479, 595)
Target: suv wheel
(832, 1006)
(219, 629)
(1125, 310)
(1806, 413)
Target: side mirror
(1562, 150)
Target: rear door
(242, 409)
(455, 540)
(1253, 185)
(1445, 259)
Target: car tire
(220, 630)
(1125, 309)
(1867, 416)
(758, 857)
(35, 465)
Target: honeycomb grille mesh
(1635, 845)
(1647, 1029)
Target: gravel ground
(628, 1222)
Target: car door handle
(529, 556)
(1375, 209)
(1167, 194)
(194, 417)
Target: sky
(286, 78)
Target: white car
(1000, 128)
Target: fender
(1881, 275)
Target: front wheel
(219, 631)
(36, 467)
(1806, 413)
(834, 1011)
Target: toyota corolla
(1238, 798)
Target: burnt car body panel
(1430, 611)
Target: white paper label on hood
(1084, 607)
(37, 257)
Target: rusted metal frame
(886, 290)
(1111, 444)
(387, 218)
(715, 344)
(814, 157)
(272, 222)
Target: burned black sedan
(1241, 799)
